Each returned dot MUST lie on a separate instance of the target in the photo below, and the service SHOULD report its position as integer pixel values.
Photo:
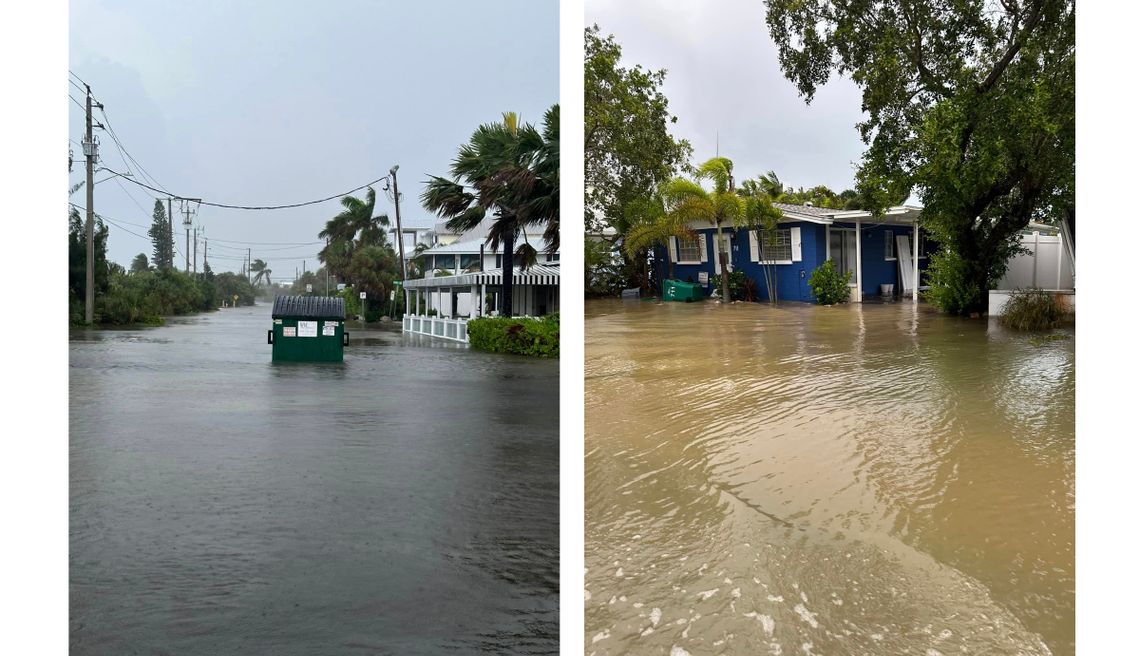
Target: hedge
(522, 336)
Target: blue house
(876, 250)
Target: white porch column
(827, 242)
(482, 297)
(858, 261)
(915, 294)
(474, 311)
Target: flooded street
(405, 502)
(810, 480)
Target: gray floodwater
(861, 479)
(405, 502)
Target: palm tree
(510, 171)
(261, 272)
(351, 229)
(770, 184)
(688, 201)
(649, 225)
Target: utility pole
(400, 231)
(170, 220)
(91, 151)
(326, 269)
(195, 251)
(205, 253)
(186, 224)
(248, 264)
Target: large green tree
(629, 152)
(971, 106)
(161, 239)
(507, 170)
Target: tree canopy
(971, 106)
(629, 152)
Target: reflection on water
(809, 480)
(403, 502)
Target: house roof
(472, 247)
(808, 210)
(539, 274)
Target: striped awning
(539, 274)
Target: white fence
(442, 327)
(1047, 266)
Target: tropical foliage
(828, 285)
(357, 249)
(261, 272)
(971, 106)
(524, 336)
(629, 152)
(509, 171)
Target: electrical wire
(257, 207)
(77, 103)
(295, 244)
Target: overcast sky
(723, 75)
(268, 103)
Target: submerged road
(405, 502)
(874, 479)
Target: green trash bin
(308, 329)
(677, 290)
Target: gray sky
(723, 75)
(268, 103)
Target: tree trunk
(508, 271)
(723, 264)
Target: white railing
(442, 327)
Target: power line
(77, 77)
(77, 103)
(257, 207)
(293, 244)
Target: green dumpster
(676, 290)
(308, 329)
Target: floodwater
(812, 480)
(405, 502)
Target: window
(889, 245)
(688, 249)
(467, 261)
(776, 245)
(498, 261)
(843, 251)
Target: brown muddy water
(809, 480)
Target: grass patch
(521, 336)
(1031, 309)
(1042, 340)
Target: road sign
(399, 283)
(363, 295)
(392, 295)
(309, 288)
(340, 287)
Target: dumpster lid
(313, 307)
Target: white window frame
(779, 233)
(889, 242)
(681, 241)
(921, 244)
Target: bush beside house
(828, 285)
(521, 336)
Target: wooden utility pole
(195, 251)
(186, 224)
(170, 220)
(89, 146)
(248, 262)
(400, 233)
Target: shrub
(738, 285)
(1031, 309)
(950, 288)
(828, 285)
(521, 336)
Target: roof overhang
(539, 274)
